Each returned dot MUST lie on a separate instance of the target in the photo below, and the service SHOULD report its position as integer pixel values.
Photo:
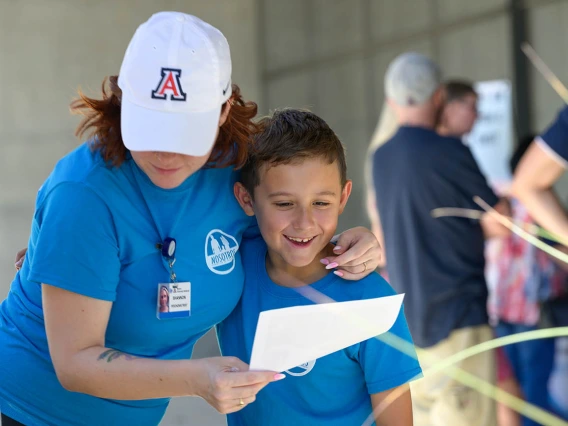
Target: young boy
(459, 113)
(295, 184)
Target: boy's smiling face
(297, 206)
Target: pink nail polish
(337, 248)
(338, 273)
(279, 377)
(324, 261)
(332, 265)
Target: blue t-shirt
(332, 390)
(439, 263)
(94, 232)
(556, 137)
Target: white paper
(491, 139)
(288, 337)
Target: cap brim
(146, 129)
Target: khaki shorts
(439, 400)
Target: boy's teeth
(300, 240)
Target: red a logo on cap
(169, 83)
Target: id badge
(174, 300)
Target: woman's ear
(225, 112)
(244, 198)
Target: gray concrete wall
(331, 56)
(48, 48)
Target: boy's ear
(244, 198)
(345, 195)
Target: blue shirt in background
(332, 390)
(555, 138)
(94, 232)
(439, 263)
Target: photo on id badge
(174, 300)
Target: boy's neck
(445, 131)
(286, 275)
(442, 130)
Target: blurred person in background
(559, 379)
(540, 168)
(82, 337)
(457, 119)
(386, 128)
(523, 279)
(459, 113)
(438, 263)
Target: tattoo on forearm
(113, 354)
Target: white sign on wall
(491, 140)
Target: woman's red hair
(101, 123)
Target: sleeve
(463, 172)
(555, 139)
(389, 360)
(75, 246)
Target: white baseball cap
(175, 77)
(412, 79)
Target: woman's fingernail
(337, 248)
(233, 369)
(279, 376)
(332, 265)
(325, 261)
(338, 273)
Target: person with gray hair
(438, 263)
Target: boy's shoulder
(369, 287)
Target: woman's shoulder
(82, 167)
(77, 165)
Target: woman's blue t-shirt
(94, 232)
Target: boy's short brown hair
(290, 135)
(458, 89)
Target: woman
(544, 163)
(386, 128)
(164, 299)
(130, 211)
(523, 281)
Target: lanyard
(167, 245)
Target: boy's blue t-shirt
(332, 390)
(94, 232)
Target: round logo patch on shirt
(302, 369)
(220, 250)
